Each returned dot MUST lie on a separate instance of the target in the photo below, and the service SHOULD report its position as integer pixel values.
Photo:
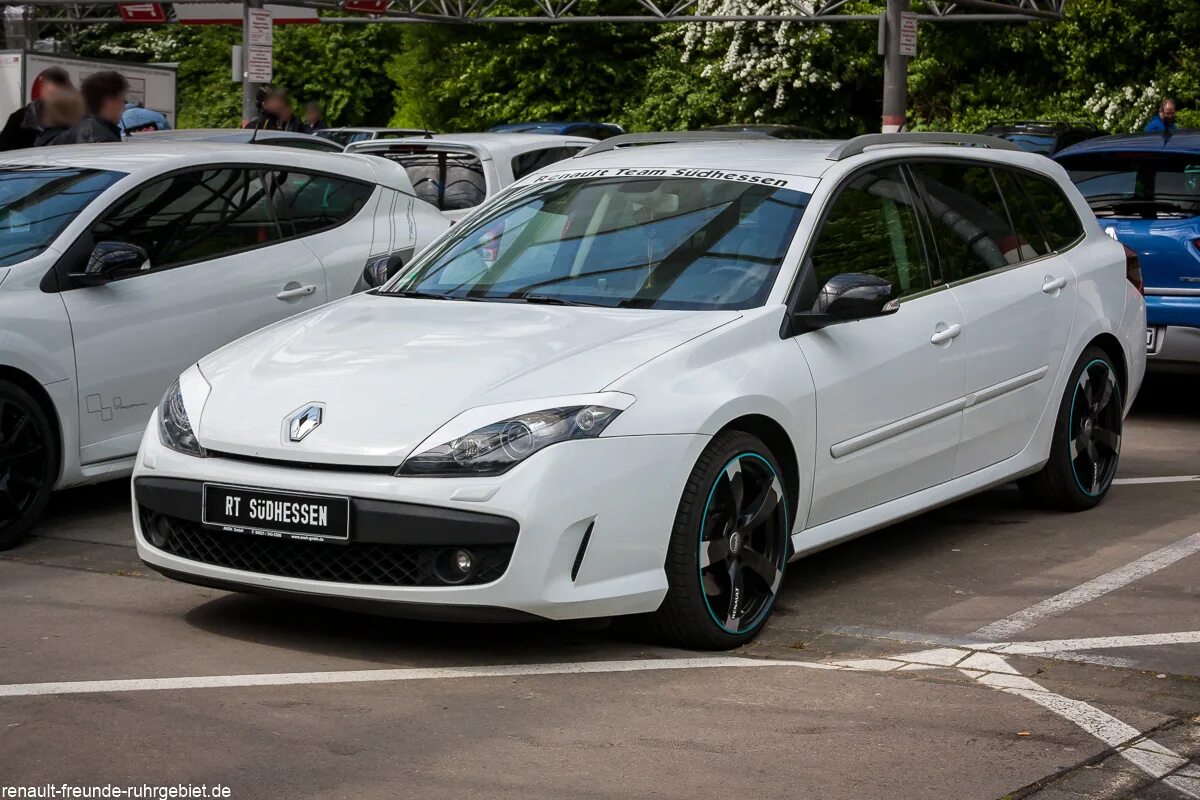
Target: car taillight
(1133, 270)
(1196, 243)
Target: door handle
(943, 335)
(1053, 284)
(293, 290)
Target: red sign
(142, 12)
(367, 6)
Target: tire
(735, 478)
(1086, 445)
(28, 462)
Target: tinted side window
(310, 203)
(534, 160)
(193, 216)
(968, 219)
(1020, 209)
(1059, 220)
(872, 228)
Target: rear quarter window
(1059, 221)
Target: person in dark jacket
(314, 117)
(1164, 120)
(24, 125)
(104, 95)
(62, 112)
(275, 112)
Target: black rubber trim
(431, 612)
(375, 521)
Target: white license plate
(1151, 339)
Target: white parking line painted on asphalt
(1086, 592)
(1094, 643)
(383, 675)
(1164, 479)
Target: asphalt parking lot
(985, 650)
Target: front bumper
(624, 489)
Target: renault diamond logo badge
(305, 420)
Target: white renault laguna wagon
(122, 264)
(642, 381)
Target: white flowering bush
(1124, 108)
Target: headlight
(174, 428)
(498, 447)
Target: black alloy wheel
(27, 463)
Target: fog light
(455, 565)
(157, 531)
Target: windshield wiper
(422, 295)
(547, 300)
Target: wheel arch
(31, 385)
(1112, 348)
(776, 437)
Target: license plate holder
(1153, 339)
(301, 516)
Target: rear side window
(1059, 220)
(534, 160)
(310, 203)
(450, 181)
(968, 219)
(872, 228)
(192, 216)
(1023, 213)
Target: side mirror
(112, 261)
(848, 297)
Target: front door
(219, 269)
(1017, 298)
(888, 389)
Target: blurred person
(314, 117)
(24, 125)
(62, 112)
(1164, 120)
(275, 112)
(104, 95)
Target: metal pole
(249, 89)
(895, 69)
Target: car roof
(487, 145)
(1182, 142)
(219, 135)
(806, 158)
(145, 159)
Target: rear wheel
(1086, 446)
(729, 546)
(27, 462)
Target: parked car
(122, 264)
(671, 369)
(1046, 138)
(457, 171)
(346, 136)
(300, 141)
(1145, 191)
(775, 131)
(591, 130)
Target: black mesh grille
(358, 562)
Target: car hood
(392, 370)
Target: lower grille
(365, 563)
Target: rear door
(888, 389)
(1017, 298)
(219, 268)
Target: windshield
(1042, 143)
(678, 243)
(1139, 185)
(36, 203)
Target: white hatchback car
(458, 171)
(644, 379)
(122, 264)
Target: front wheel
(27, 462)
(729, 546)
(1087, 438)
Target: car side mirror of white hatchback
(112, 261)
(845, 298)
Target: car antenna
(424, 122)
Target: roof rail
(667, 137)
(859, 144)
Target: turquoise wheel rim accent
(1094, 428)
(743, 543)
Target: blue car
(592, 130)
(1145, 191)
